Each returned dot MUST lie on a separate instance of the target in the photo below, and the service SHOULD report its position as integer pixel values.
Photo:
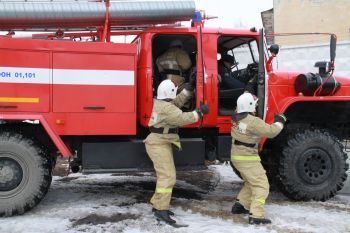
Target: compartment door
(93, 83)
(25, 78)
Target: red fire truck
(71, 92)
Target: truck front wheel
(312, 166)
(25, 174)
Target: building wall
(297, 16)
(302, 58)
(267, 20)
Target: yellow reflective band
(164, 190)
(261, 201)
(245, 158)
(19, 100)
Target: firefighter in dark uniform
(227, 78)
(247, 131)
(174, 62)
(166, 117)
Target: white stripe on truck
(66, 76)
(93, 77)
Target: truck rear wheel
(312, 166)
(25, 174)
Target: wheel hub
(314, 166)
(11, 174)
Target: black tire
(312, 166)
(270, 161)
(25, 174)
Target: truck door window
(246, 54)
(237, 70)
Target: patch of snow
(72, 199)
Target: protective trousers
(163, 162)
(256, 187)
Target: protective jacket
(173, 63)
(249, 129)
(168, 115)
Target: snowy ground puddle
(95, 219)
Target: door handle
(8, 106)
(94, 107)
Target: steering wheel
(252, 69)
(252, 77)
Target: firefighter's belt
(163, 130)
(244, 144)
(174, 72)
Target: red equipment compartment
(84, 88)
(93, 83)
(24, 88)
(94, 89)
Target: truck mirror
(274, 49)
(333, 47)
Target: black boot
(238, 208)
(163, 215)
(259, 220)
(171, 213)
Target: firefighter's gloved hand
(280, 118)
(191, 84)
(203, 109)
(189, 87)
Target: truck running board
(109, 157)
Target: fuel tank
(308, 83)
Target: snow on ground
(202, 199)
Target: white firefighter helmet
(166, 90)
(246, 103)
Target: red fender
(61, 146)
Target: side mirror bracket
(274, 49)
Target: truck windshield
(246, 54)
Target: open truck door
(261, 87)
